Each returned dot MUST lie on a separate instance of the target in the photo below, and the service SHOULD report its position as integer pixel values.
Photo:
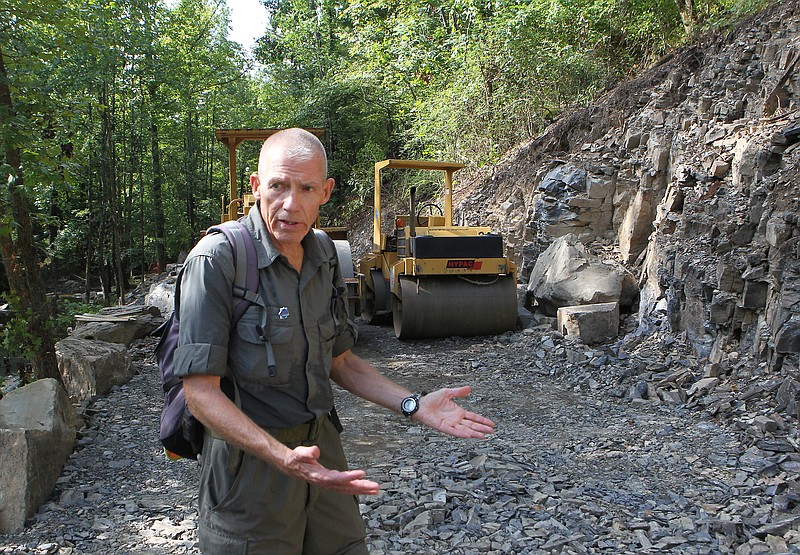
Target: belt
(308, 431)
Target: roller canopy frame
(449, 168)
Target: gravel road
(578, 463)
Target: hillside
(688, 175)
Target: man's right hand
(303, 463)
(214, 409)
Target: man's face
(291, 192)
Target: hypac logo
(464, 264)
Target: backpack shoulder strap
(245, 281)
(333, 259)
(327, 245)
(245, 286)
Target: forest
(108, 160)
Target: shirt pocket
(249, 352)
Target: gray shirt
(307, 321)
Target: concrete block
(591, 323)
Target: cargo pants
(261, 511)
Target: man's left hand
(437, 410)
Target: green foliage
(723, 13)
(65, 315)
(82, 75)
(16, 340)
(17, 345)
(100, 88)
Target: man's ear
(328, 188)
(254, 183)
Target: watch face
(409, 404)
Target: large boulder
(566, 275)
(38, 425)
(119, 324)
(91, 367)
(162, 295)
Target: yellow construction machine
(436, 279)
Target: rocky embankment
(580, 463)
(687, 175)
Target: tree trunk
(140, 172)
(210, 155)
(158, 180)
(105, 209)
(102, 266)
(191, 172)
(19, 254)
(688, 15)
(110, 196)
(90, 227)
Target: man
(274, 478)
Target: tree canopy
(108, 108)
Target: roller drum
(374, 301)
(444, 306)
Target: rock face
(688, 176)
(37, 435)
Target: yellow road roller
(434, 278)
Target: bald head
(295, 144)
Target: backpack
(181, 434)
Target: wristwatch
(410, 404)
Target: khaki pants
(259, 510)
